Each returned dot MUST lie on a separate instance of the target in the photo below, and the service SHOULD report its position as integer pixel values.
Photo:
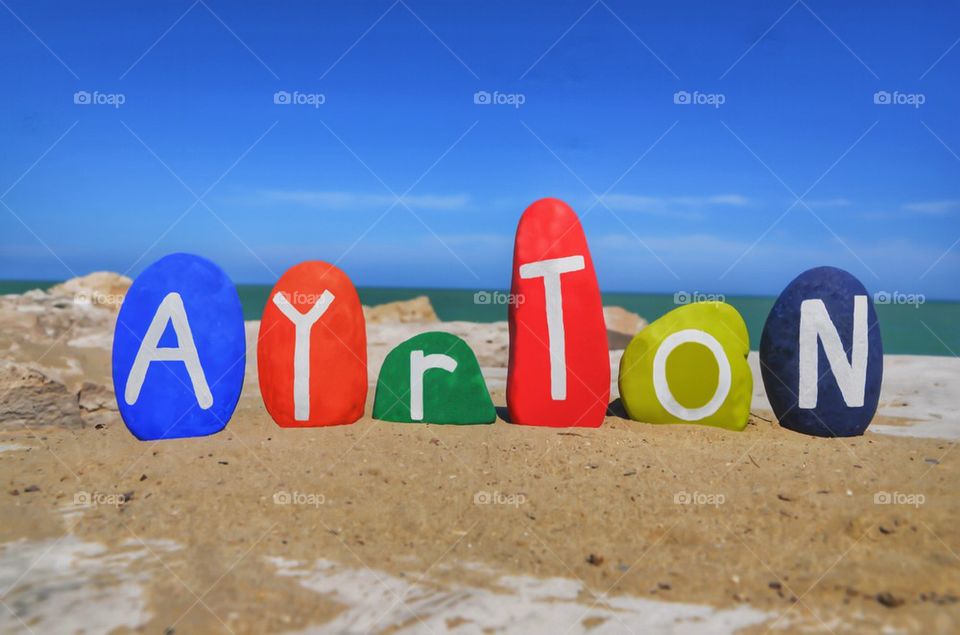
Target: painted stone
(690, 366)
(312, 348)
(179, 350)
(559, 369)
(433, 377)
(821, 355)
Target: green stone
(443, 369)
(677, 370)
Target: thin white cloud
(933, 208)
(683, 205)
(354, 201)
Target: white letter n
(815, 324)
(170, 311)
(303, 323)
(550, 271)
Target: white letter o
(662, 388)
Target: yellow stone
(690, 366)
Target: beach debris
(630, 472)
(312, 348)
(417, 309)
(594, 560)
(182, 313)
(785, 498)
(559, 369)
(690, 366)
(931, 461)
(29, 489)
(29, 397)
(826, 380)
(889, 600)
(433, 377)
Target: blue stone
(823, 313)
(179, 350)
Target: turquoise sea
(931, 328)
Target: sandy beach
(396, 528)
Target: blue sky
(797, 167)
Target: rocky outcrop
(418, 309)
(100, 288)
(98, 405)
(622, 325)
(28, 397)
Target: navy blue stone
(780, 360)
(167, 406)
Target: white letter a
(170, 311)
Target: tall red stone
(312, 348)
(559, 373)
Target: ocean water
(931, 328)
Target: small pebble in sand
(889, 600)
(143, 477)
(595, 560)
(630, 472)
(31, 488)
(931, 461)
